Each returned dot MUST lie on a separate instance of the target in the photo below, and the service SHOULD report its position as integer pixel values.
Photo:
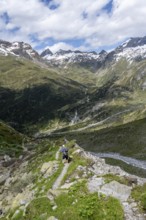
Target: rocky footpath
(39, 187)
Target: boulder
(22, 198)
(131, 180)
(94, 184)
(4, 177)
(117, 190)
(54, 207)
(68, 185)
(56, 192)
(7, 158)
(49, 168)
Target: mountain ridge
(133, 49)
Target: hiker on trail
(64, 151)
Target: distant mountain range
(133, 49)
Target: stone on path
(68, 185)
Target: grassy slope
(128, 139)
(31, 94)
(79, 74)
(10, 140)
(119, 85)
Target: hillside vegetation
(128, 139)
(31, 94)
(10, 141)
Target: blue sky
(72, 24)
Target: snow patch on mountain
(132, 53)
(133, 49)
(18, 49)
(71, 57)
(126, 43)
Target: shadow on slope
(35, 104)
(10, 140)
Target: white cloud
(60, 45)
(67, 21)
(64, 46)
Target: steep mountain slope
(114, 95)
(132, 49)
(10, 140)
(30, 94)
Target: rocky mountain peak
(103, 52)
(63, 52)
(134, 49)
(134, 42)
(19, 49)
(131, 43)
(4, 43)
(46, 53)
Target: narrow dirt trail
(60, 177)
(58, 181)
